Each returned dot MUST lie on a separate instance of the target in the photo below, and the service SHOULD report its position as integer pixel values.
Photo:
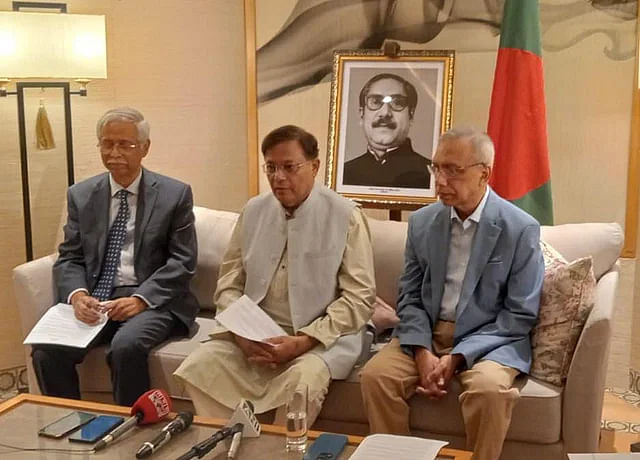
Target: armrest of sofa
(35, 293)
(583, 392)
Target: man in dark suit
(129, 252)
(387, 106)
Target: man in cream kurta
(303, 253)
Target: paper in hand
(59, 326)
(246, 319)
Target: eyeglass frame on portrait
(401, 101)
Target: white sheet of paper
(59, 326)
(386, 446)
(245, 318)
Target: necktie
(115, 239)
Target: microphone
(236, 437)
(151, 407)
(202, 448)
(243, 421)
(177, 425)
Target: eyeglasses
(397, 102)
(289, 169)
(107, 145)
(450, 171)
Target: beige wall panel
(308, 109)
(589, 113)
(183, 65)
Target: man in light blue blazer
(469, 297)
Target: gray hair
(126, 114)
(482, 145)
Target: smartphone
(327, 446)
(96, 428)
(66, 424)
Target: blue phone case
(96, 428)
(326, 447)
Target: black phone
(326, 447)
(96, 428)
(66, 424)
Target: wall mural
(300, 53)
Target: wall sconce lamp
(48, 46)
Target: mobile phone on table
(327, 446)
(66, 424)
(96, 428)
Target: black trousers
(129, 343)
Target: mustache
(386, 122)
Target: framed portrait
(386, 116)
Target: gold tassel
(44, 136)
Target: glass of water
(296, 408)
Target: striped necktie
(115, 240)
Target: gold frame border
(447, 57)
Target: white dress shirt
(460, 244)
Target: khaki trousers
(390, 378)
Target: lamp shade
(52, 45)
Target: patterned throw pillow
(567, 299)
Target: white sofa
(547, 421)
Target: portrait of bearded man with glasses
(387, 105)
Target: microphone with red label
(151, 407)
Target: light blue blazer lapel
(438, 239)
(146, 202)
(487, 233)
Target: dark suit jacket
(402, 167)
(500, 295)
(165, 247)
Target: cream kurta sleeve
(356, 288)
(231, 277)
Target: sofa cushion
(601, 241)
(566, 301)
(213, 229)
(388, 240)
(538, 401)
